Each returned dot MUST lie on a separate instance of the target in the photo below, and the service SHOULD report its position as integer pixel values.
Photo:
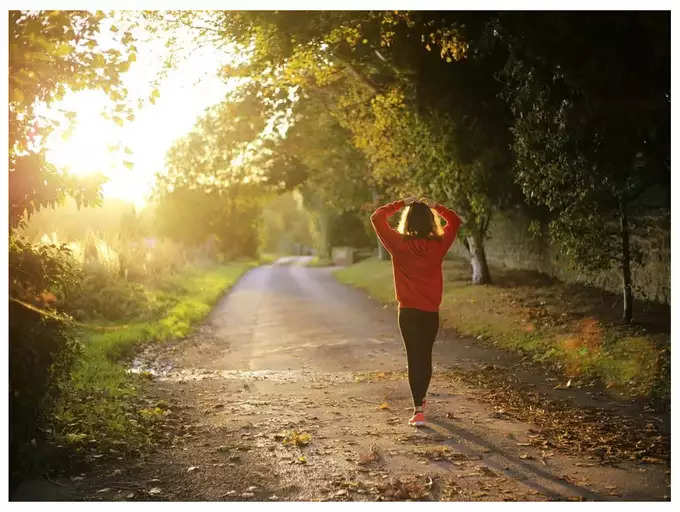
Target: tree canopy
(52, 53)
(591, 129)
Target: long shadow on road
(498, 459)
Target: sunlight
(132, 154)
(85, 151)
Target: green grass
(319, 262)
(573, 328)
(99, 404)
(266, 258)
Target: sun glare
(99, 145)
(88, 148)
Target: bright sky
(184, 95)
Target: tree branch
(370, 85)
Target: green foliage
(225, 218)
(41, 355)
(414, 122)
(98, 408)
(285, 225)
(335, 172)
(102, 296)
(348, 229)
(50, 54)
(209, 174)
(34, 184)
(583, 150)
(37, 270)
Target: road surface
(295, 389)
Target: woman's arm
(388, 236)
(453, 222)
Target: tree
(285, 226)
(448, 141)
(591, 130)
(50, 54)
(225, 217)
(316, 156)
(210, 173)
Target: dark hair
(419, 221)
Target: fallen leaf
(154, 490)
(384, 406)
(105, 489)
(487, 472)
(192, 468)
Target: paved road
(288, 316)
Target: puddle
(166, 371)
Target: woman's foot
(417, 420)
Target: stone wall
(511, 245)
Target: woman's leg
(418, 330)
(430, 326)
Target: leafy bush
(41, 354)
(35, 270)
(348, 229)
(103, 296)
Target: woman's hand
(409, 200)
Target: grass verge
(319, 262)
(571, 327)
(98, 411)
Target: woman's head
(419, 221)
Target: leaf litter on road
(595, 432)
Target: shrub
(41, 354)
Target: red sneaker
(418, 420)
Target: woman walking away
(417, 247)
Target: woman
(417, 247)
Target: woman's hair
(419, 221)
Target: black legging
(418, 330)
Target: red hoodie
(416, 262)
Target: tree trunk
(625, 264)
(382, 253)
(480, 269)
(323, 248)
